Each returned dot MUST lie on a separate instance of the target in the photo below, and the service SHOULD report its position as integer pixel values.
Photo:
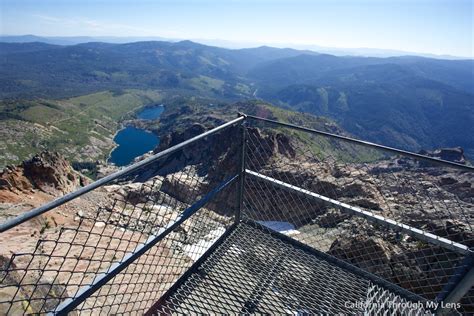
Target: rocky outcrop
(184, 186)
(455, 154)
(12, 178)
(346, 184)
(222, 149)
(46, 171)
(213, 159)
(204, 154)
(459, 183)
(264, 146)
(370, 253)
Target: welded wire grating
(254, 272)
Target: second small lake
(133, 142)
(152, 113)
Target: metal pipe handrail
(82, 294)
(369, 215)
(8, 224)
(464, 285)
(241, 186)
(367, 144)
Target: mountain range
(338, 51)
(409, 102)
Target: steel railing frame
(460, 283)
(241, 187)
(453, 294)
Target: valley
(80, 128)
(408, 102)
(173, 92)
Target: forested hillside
(408, 102)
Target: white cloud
(46, 18)
(93, 27)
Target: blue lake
(133, 142)
(151, 113)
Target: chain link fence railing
(125, 243)
(407, 220)
(271, 218)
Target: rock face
(450, 154)
(48, 172)
(204, 154)
(346, 184)
(12, 178)
(222, 149)
(413, 266)
(213, 160)
(183, 186)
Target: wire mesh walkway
(253, 271)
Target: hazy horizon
(438, 27)
(340, 51)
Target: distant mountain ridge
(413, 101)
(74, 40)
(328, 68)
(337, 51)
(39, 69)
(409, 102)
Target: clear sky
(428, 26)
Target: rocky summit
(450, 154)
(46, 171)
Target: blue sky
(429, 26)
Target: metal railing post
(463, 282)
(240, 189)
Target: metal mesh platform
(253, 271)
(252, 217)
